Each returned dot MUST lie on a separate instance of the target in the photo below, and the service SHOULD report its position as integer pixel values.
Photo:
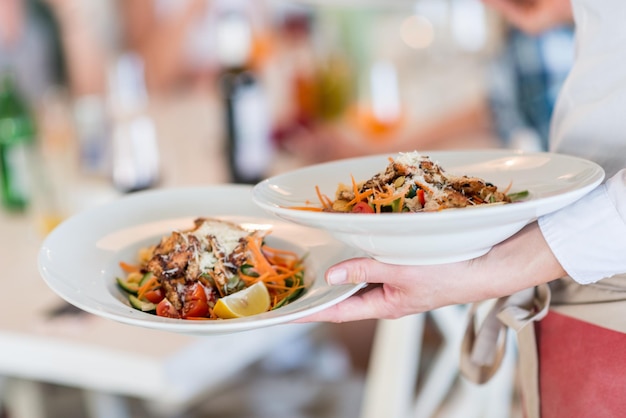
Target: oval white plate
(553, 181)
(79, 259)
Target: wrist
(522, 261)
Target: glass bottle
(248, 129)
(17, 141)
(135, 152)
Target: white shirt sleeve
(589, 237)
(588, 120)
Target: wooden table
(105, 358)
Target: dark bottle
(17, 141)
(247, 127)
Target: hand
(393, 291)
(534, 16)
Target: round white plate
(450, 235)
(80, 259)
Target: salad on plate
(413, 183)
(215, 270)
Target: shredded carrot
(250, 280)
(358, 196)
(386, 200)
(324, 200)
(282, 296)
(279, 269)
(310, 208)
(506, 190)
(424, 187)
(260, 263)
(291, 270)
(128, 268)
(275, 267)
(151, 284)
(267, 248)
(281, 277)
(382, 198)
(280, 258)
(287, 294)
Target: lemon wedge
(252, 300)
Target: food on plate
(249, 301)
(215, 270)
(413, 183)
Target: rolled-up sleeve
(589, 237)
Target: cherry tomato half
(154, 296)
(195, 309)
(166, 309)
(362, 207)
(195, 302)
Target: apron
(594, 314)
(588, 121)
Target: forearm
(522, 261)
(160, 39)
(534, 16)
(84, 55)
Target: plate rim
(60, 287)
(461, 213)
(554, 181)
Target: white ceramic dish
(553, 181)
(79, 259)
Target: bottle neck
(16, 122)
(234, 41)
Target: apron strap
(482, 351)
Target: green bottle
(17, 139)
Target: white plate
(553, 181)
(79, 259)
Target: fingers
(367, 270)
(534, 16)
(520, 13)
(394, 291)
(368, 304)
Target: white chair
(391, 381)
(169, 384)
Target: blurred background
(102, 98)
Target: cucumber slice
(145, 278)
(126, 286)
(515, 197)
(137, 303)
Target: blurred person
(29, 47)
(178, 41)
(522, 81)
(165, 33)
(57, 43)
(89, 41)
(564, 275)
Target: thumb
(363, 270)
